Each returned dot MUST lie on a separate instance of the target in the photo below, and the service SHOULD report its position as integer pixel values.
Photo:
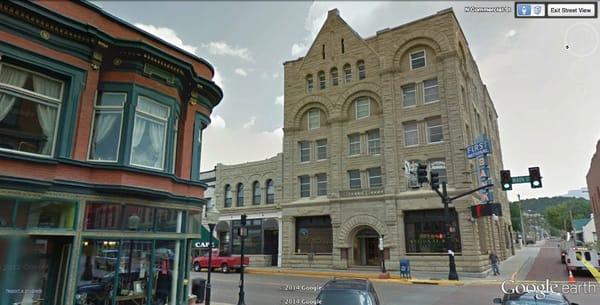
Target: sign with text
(478, 149)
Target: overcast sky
(547, 97)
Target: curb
(371, 276)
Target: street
(282, 289)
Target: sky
(546, 95)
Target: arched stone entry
(365, 247)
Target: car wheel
(224, 268)
(197, 267)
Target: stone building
(593, 185)
(100, 137)
(358, 113)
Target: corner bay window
(106, 136)
(148, 139)
(314, 235)
(29, 108)
(424, 231)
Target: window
(106, 135)
(409, 97)
(347, 73)
(149, 136)
(374, 176)
(45, 213)
(323, 52)
(253, 242)
(29, 110)
(102, 216)
(304, 186)
(354, 179)
(354, 144)
(424, 231)
(334, 76)
(314, 119)
(321, 80)
(270, 191)
(322, 149)
(304, 151)
(321, 184)
(314, 234)
(439, 166)
(240, 195)
(343, 47)
(430, 91)
(256, 193)
(363, 108)
(309, 83)
(411, 134)
(175, 144)
(373, 142)
(417, 60)
(434, 130)
(362, 72)
(228, 196)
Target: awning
(204, 240)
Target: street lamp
(212, 217)
(384, 274)
(243, 233)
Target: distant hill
(540, 205)
(556, 210)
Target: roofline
(439, 13)
(149, 35)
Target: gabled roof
(578, 224)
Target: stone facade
(317, 108)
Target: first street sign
(478, 149)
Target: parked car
(226, 262)
(537, 298)
(576, 256)
(348, 292)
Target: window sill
(409, 107)
(432, 102)
(409, 146)
(433, 143)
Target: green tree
(515, 216)
(559, 216)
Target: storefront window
(194, 222)
(314, 235)
(168, 220)
(166, 260)
(102, 216)
(138, 218)
(97, 269)
(425, 231)
(7, 207)
(134, 272)
(252, 243)
(45, 214)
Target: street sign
(520, 179)
(478, 149)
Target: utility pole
(523, 238)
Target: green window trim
(200, 123)
(72, 222)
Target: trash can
(405, 268)
(198, 286)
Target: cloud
(217, 121)
(240, 71)
(276, 133)
(250, 123)
(279, 100)
(167, 35)
(512, 33)
(275, 75)
(223, 48)
(299, 49)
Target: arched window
(334, 76)
(321, 80)
(256, 193)
(270, 191)
(309, 83)
(228, 196)
(240, 194)
(347, 73)
(360, 67)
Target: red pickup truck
(226, 262)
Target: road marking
(589, 266)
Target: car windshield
(533, 299)
(338, 297)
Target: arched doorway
(366, 247)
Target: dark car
(348, 292)
(537, 298)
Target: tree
(559, 216)
(515, 216)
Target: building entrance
(366, 251)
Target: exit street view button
(573, 10)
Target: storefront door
(272, 245)
(366, 251)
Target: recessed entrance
(366, 247)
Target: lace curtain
(12, 77)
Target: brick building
(593, 184)
(100, 137)
(358, 112)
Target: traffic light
(243, 220)
(422, 174)
(505, 180)
(434, 180)
(535, 178)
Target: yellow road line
(590, 267)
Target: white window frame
(350, 143)
(361, 68)
(310, 85)
(37, 98)
(109, 109)
(301, 149)
(347, 76)
(441, 126)
(307, 184)
(356, 106)
(320, 183)
(322, 80)
(312, 112)
(405, 132)
(404, 94)
(372, 177)
(157, 119)
(318, 147)
(424, 59)
(374, 140)
(437, 86)
(350, 179)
